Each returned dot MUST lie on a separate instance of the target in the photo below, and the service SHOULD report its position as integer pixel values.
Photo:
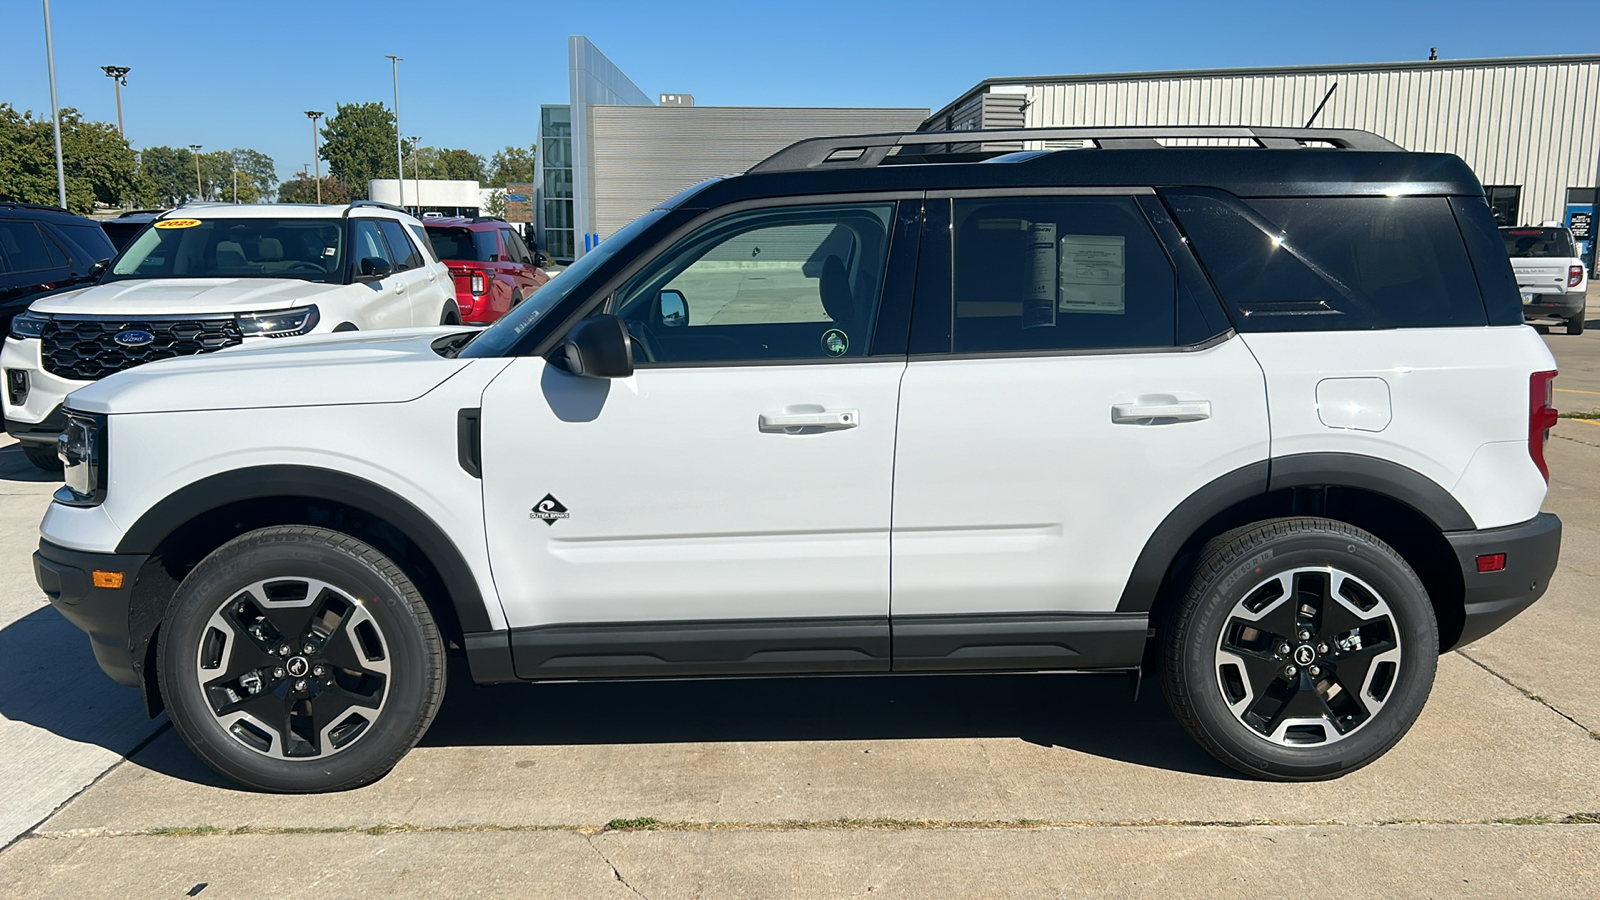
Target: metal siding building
(641, 155)
(1524, 123)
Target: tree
(359, 142)
(99, 165)
(496, 204)
(302, 189)
(261, 171)
(168, 176)
(513, 165)
(444, 163)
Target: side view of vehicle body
(207, 277)
(1262, 421)
(1550, 275)
(44, 249)
(493, 268)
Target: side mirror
(99, 268)
(374, 268)
(540, 260)
(598, 347)
(673, 308)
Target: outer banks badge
(549, 509)
(835, 342)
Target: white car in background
(207, 277)
(1550, 274)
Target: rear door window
(400, 245)
(1333, 263)
(369, 242)
(26, 249)
(1059, 273)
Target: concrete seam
(1594, 735)
(31, 829)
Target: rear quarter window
(1333, 263)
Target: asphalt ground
(996, 786)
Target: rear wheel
(43, 456)
(1304, 649)
(299, 659)
(1576, 323)
(451, 314)
(516, 299)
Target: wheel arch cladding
(1400, 506)
(189, 524)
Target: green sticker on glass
(836, 342)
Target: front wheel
(1304, 649)
(299, 659)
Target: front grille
(84, 349)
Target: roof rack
(18, 204)
(868, 150)
(354, 204)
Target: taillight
(1541, 417)
(478, 283)
(1574, 276)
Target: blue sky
(242, 74)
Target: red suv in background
(493, 268)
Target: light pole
(416, 173)
(399, 154)
(234, 158)
(316, 160)
(55, 110)
(195, 148)
(119, 77)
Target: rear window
(1333, 263)
(23, 248)
(1538, 243)
(464, 244)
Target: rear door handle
(810, 417)
(1155, 413)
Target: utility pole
(195, 148)
(416, 173)
(235, 159)
(399, 154)
(119, 78)
(316, 159)
(55, 109)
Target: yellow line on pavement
(1576, 391)
(1584, 421)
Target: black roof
(15, 206)
(1345, 164)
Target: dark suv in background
(493, 268)
(44, 248)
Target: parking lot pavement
(62, 722)
(997, 786)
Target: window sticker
(1039, 307)
(1093, 273)
(177, 223)
(835, 342)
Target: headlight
(82, 446)
(280, 324)
(28, 325)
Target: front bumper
(42, 432)
(66, 577)
(1492, 599)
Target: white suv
(1553, 279)
(210, 276)
(1274, 435)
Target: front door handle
(798, 417)
(1158, 413)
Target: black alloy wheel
(1305, 648)
(300, 659)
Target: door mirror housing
(99, 268)
(598, 347)
(673, 308)
(540, 260)
(374, 268)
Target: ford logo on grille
(133, 337)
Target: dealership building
(1526, 126)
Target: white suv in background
(1551, 276)
(1263, 422)
(211, 276)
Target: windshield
(1538, 243)
(307, 249)
(499, 338)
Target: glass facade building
(555, 181)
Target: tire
(516, 300)
(451, 314)
(1575, 324)
(265, 725)
(43, 456)
(342, 327)
(1234, 690)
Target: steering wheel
(640, 332)
(300, 263)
